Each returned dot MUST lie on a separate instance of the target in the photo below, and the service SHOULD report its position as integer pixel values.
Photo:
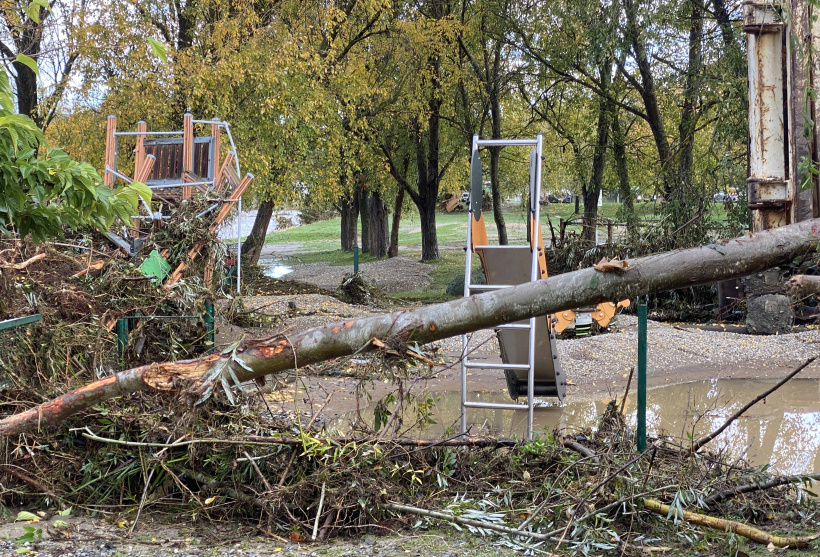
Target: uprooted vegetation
(288, 476)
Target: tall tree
(50, 35)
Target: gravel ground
(598, 361)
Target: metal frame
(17, 321)
(112, 170)
(469, 288)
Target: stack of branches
(82, 286)
(590, 493)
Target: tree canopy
(337, 102)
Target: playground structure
(177, 165)
(528, 352)
(529, 355)
(601, 314)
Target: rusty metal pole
(771, 180)
(767, 185)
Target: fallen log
(738, 528)
(257, 357)
(803, 285)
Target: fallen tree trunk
(803, 285)
(257, 357)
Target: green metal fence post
(355, 259)
(122, 339)
(209, 324)
(641, 377)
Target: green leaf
(142, 190)
(66, 512)
(60, 523)
(25, 515)
(158, 49)
(29, 62)
(593, 283)
(33, 9)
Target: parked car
(722, 197)
(551, 198)
(566, 199)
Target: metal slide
(528, 351)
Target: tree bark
(429, 235)
(656, 273)
(619, 154)
(253, 244)
(378, 226)
(803, 285)
(592, 190)
(349, 210)
(364, 213)
(393, 250)
(498, 214)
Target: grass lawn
(320, 237)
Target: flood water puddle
(783, 429)
(273, 268)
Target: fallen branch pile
(235, 462)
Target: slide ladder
(528, 351)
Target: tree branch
(259, 357)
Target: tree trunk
(349, 210)
(648, 92)
(689, 114)
(393, 251)
(619, 154)
(26, 85)
(429, 237)
(498, 215)
(364, 213)
(253, 244)
(587, 287)
(592, 190)
(495, 156)
(378, 226)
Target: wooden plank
(145, 169)
(163, 159)
(208, 275)
(220, 176)
(139, 150)
(223, 212)
(187, 151)
(230, 177)
(190, 177)
(110, 152)
(228, 205)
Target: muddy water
(783, 430)
(274, 268)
